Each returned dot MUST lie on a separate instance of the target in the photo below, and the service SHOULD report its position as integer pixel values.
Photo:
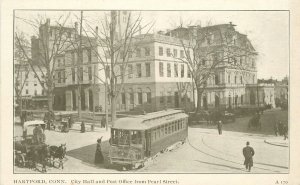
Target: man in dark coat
(82, 130)
(220, 125)
(248, 153)
(98, 154)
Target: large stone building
(234, 81)
(154, 79)
(156, 75)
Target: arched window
(148, 94)
(140, 96)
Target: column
(69, 100)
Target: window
(181, 54)
(235, 79)
(148, 97)
(161, 69)
(138, 52)
(160, 51)
(69, 34)
(27, 91)
(147, 51)
(217, 79)
(35, 84)
(123, 98)
(182, 70)
(168, 70)
(130, 70)
(138, 70)
(80, 74)
(73, 58)
(131, 98)
(59, 77)
(162, 98)
(63, 76)
(188, 53)
(175, 70)
(203, 62)
(189, 73)
(168, 52)
(241, 79)
(140, 98)
(73, 75)
(175, 52)
(58, 63)
(147, 69)
(90, 73)
(169, 99)
(35, 92)
(89, 54)
(229, 81)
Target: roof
(148, 121)
(35, 122)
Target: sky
(268, 31)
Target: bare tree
(113, 49)
(47, 42)
(205, 54)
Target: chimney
(230, 23)
(76, 27)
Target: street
(203, 152)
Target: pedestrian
(71, 121)
(276, 129)
(82, 130)
(248, 153)
(98, 154)
(220, 125)
(285, 131)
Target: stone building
(231, 84)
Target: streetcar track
(220, 158)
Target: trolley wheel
(20, 160)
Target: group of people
(281, 129)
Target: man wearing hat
(248, 153)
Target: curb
(281, 145)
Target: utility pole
(79, 61)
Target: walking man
(220, 125)
(276, 128)
(248, 153)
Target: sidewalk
(277, 141)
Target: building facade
(230, 85)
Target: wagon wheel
(20, 160)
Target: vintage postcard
(107, 93)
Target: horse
(58, 152)
(254, 122)
(38, 154)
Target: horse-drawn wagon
(31, 150)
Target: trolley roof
(144, 122)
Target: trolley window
(136, 137)
(120, 137)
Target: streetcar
(135, 139)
